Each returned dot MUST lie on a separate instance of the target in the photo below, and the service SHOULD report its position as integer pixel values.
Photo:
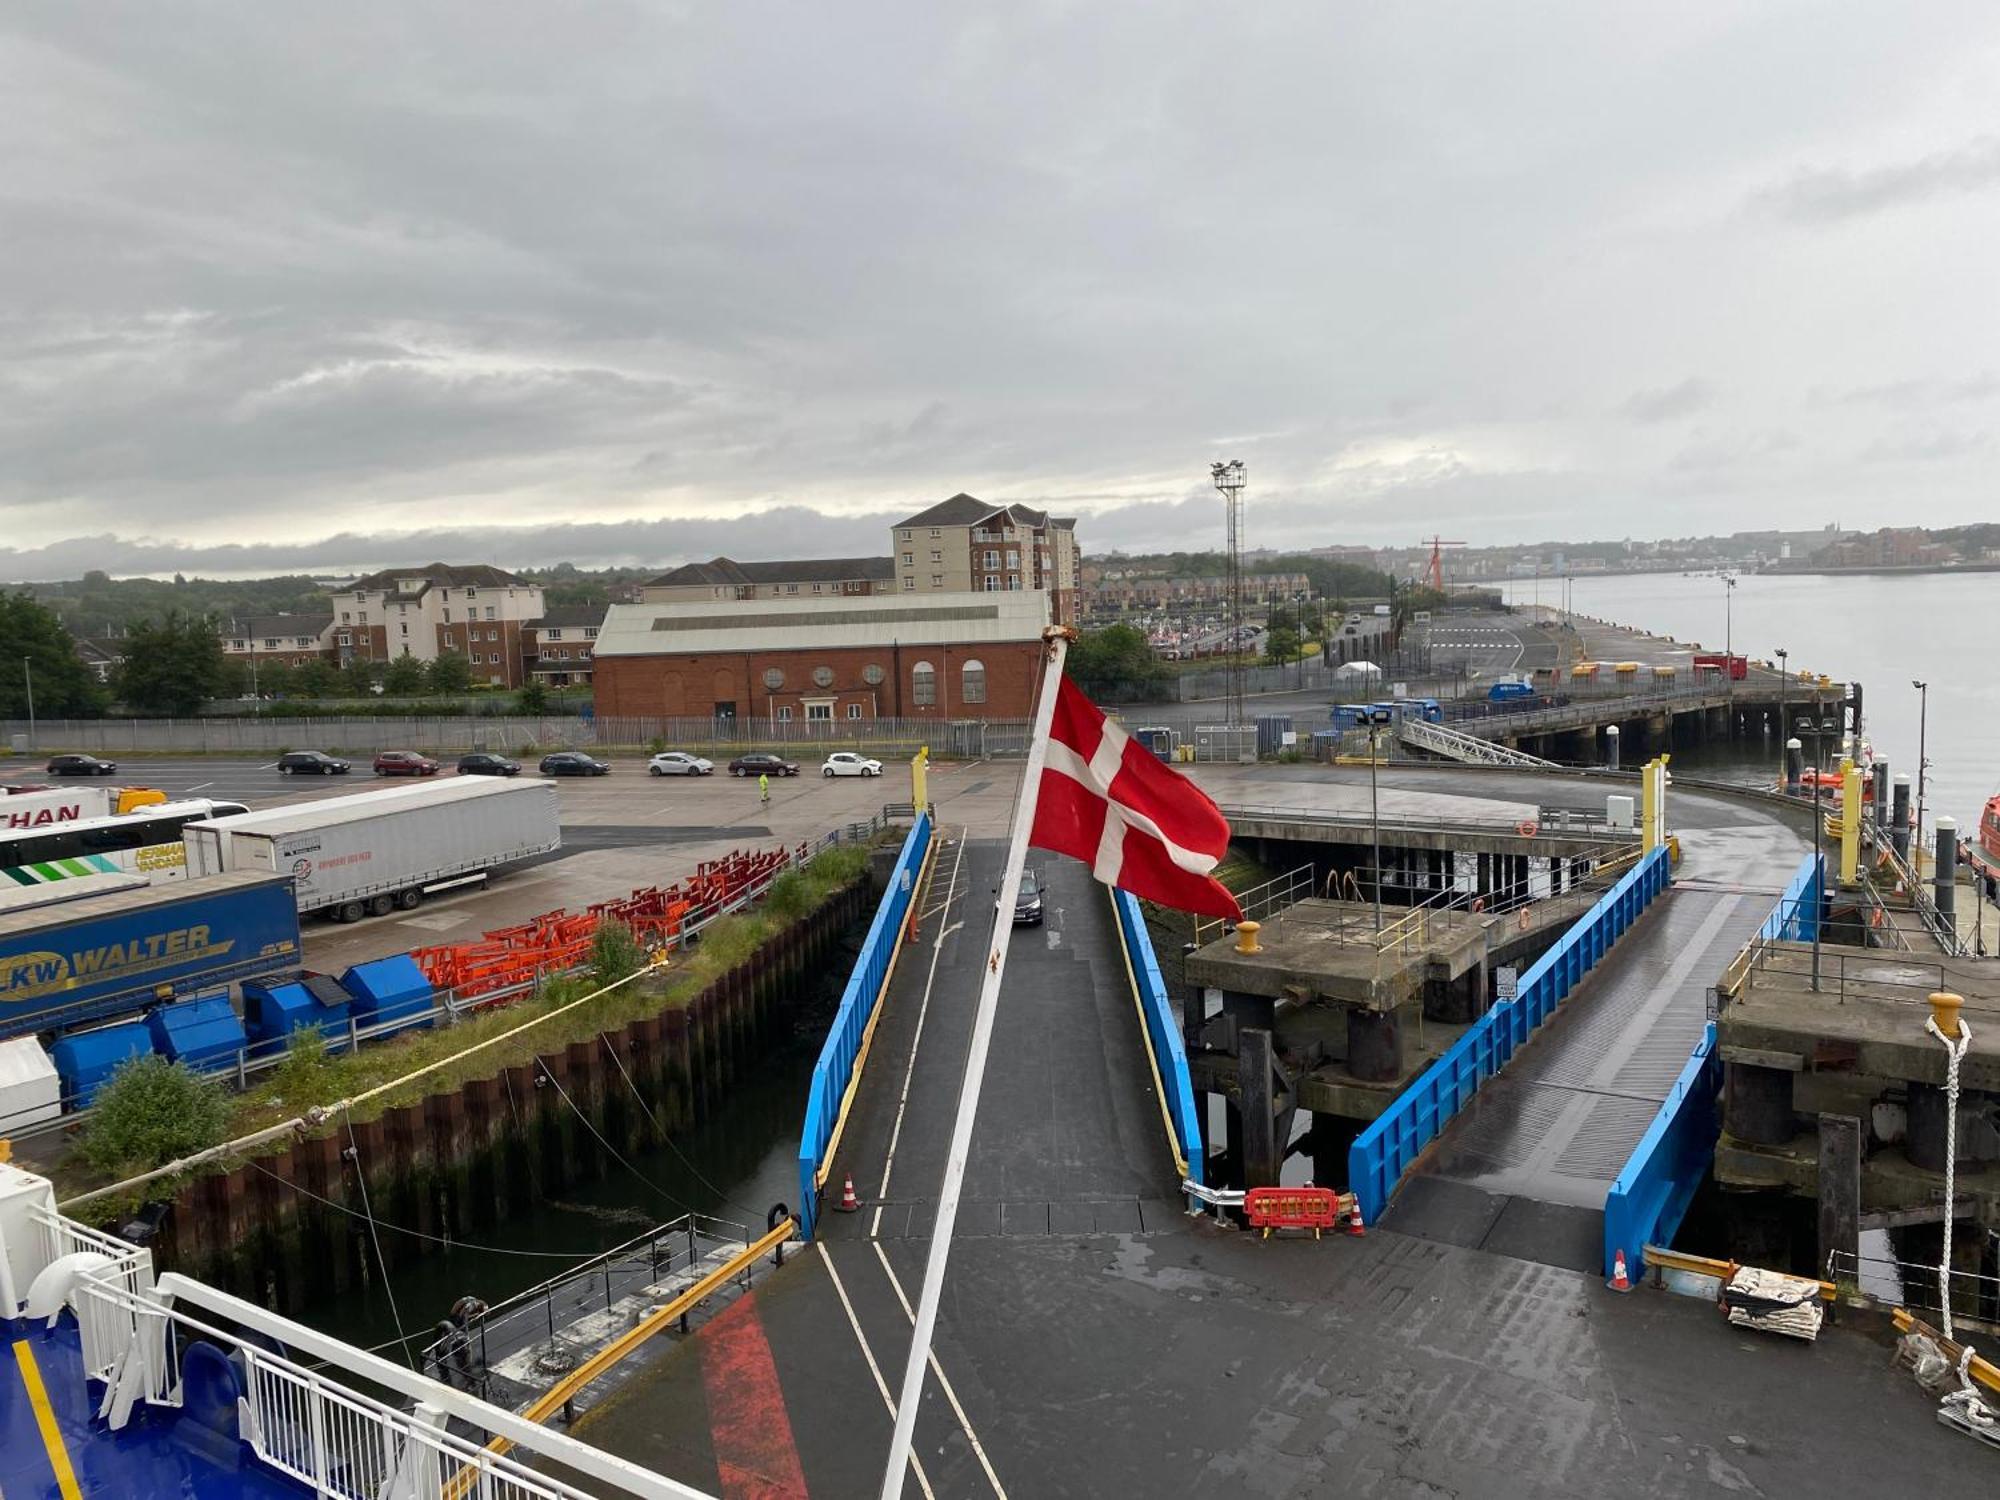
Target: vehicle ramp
(1453, 744)
(1524, 1167)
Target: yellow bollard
(1944, 1008)
(1246, 937)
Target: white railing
(106, 1327)
(1466, 747)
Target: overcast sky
(606, 281)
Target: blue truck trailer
(119, 953)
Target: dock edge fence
(1660, 1178)
(835, 1075)
(1163, 1037)
(1384, 1151)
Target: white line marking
(909, 1072)
(944, 1382)
(193, 789)
(923, 1482)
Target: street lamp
(28, 676)
(1784, 676)
(1377, 717)
(1923, 718)
(1729, 634)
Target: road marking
(45, 1420)
(923, 1010)
(944, 1382)
(193, 789)
(756, 1456)
(881, 1385)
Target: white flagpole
(1058, 638)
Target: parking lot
(620, 832)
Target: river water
(1881, 631)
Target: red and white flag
(1138, 824)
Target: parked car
(678, 763)
(404, 763)
(573, 763)
(310, 763)
(486, 763)
(762, 765)
(847, 763)
(1028, 900)
(80, 765)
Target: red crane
(1434, 574)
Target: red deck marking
(749, 1429)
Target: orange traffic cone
(1354, 1219)
(848, 1202)
(1620, 1282)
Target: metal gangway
(1420, 734)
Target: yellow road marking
(45, 1419)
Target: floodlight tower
(1229, 481)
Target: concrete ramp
(1469, 748)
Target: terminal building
(938, 656)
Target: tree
(1117, 662)
(64, 687)
(534, 698)
(173, 667)
(277, 679)
(404, 676)
(450, 673)
(314, 679)
(359, 677)
(1281, 643)
(151, 1112)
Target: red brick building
(949, 656)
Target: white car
(679, 763)
(847, 763)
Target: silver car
(679, 763)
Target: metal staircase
(1453, 745)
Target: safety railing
(106, 1326)
(835, 1075)
(1259, 902)
(1163, 1036)
(1383, 1152)
(1659, 1179)
(1887, 1281)
(1546, 822)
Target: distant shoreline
(1786, 571)
(1964, 567)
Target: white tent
(1356, 669)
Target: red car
(404, 763)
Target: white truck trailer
(52, 806)
(374, 852)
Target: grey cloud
(1668, 402)
(1912, 395)
(1932, 447)
(1827, 195)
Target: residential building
(103, 654)
(477, 610)
(966, 545)
(813, 578)
(282, 639)
(947, 656)
(557, 649)
(1131, 591)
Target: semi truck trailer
(379, 851)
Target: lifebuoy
(1524, 919)
(1526, 828)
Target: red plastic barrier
(1313, 1208)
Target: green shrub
(301, 1076)
(526, 750)
(615, 952)
(151, 1112)
(656, 744)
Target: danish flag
(1138, 824)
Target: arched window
(923, 685)
(972, 682)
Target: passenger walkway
(1525, 1167)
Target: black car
(1028, 901)
(763, 765)
(310, 763)
(80, 765)
(572, 763)
(485, 763)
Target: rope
(361, 1181)
(667, 1140)
(1954, 1052)
(611, 1150)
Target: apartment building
(812, 578)
(290, 640)
(477, 610)
(967, 545)
(558, 650)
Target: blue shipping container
(387, 989)
(103, 955)
(85, 1062)
(202, 1033)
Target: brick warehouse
(948, 656)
